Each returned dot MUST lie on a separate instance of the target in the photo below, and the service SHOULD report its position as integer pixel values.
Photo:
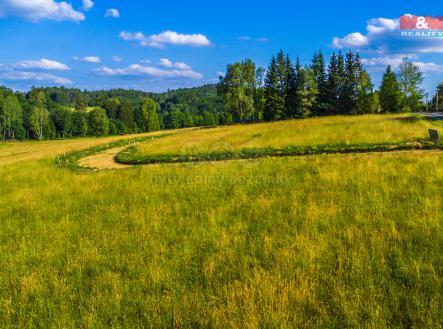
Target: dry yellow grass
(16, 152)
(104, 160)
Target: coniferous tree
(307, 92)
(335, 83)
(299, 87)
(291, 101)
(282, 74)
(274, 102)
(349, 92)
(321, 77)
(390, 93)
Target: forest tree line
(285, 90)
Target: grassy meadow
(339, 130)
(325, 241)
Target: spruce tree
(291, 102)
(319, 73)
(299, 87)
(334, 83)
(274, 103)
(348, 99)
(390, 94)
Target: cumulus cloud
(145, 61)
(38, 10)
(42, 64)
(87, 4)
(350, 41)
(87, 59)
(166, 38)
(33, 77)
(383, 36)
(139, 71)
(117, 59)
(30, 71)
(113, 13)
(178, 65)
(379, 64)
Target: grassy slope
(324, 241)
(368, 129)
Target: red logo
(410, 22)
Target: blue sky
(152, 45)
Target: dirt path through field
(103, 160)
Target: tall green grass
(332, 241)
(316, 132)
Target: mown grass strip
(130, 156)
(70, 160)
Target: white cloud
(379, 64)
(117, 59)
(34, 77)
(166, 38)
(429, 67)
(87, 59)
(375, 27)
(112, 12)
(248, 38)
(37, 10)
(382, 62)
(145, 61)
(43, 64)
(431, 49)
(351, 40)
(178, 65)
(383, 36)
(137, 70)
(87, 4)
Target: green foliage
(11, 117)
(390, 93)
(246, 94)
(126, 115)
(321, 78)
(98, 122)
(336, 74)
(237, 88)
(410, 80)
(62, 119)
(80, 123)
(274, 108)
(148, 117)
(39, 121)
